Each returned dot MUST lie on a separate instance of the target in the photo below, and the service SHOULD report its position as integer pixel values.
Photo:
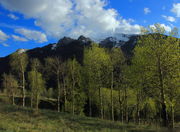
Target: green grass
(18, 119)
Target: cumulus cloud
(169, 18)
(72, 18)
(147, 10)
(3, 36)
(18, 38)
(166, 27)
(12, 16)
(176, 9)
(30, 35)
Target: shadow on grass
(75, 123)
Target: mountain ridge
(68, 47)
(109, 42)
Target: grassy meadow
(18, 119)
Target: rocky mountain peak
(65, 41)
(84, 39)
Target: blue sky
(34, 23)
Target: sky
(34, 23)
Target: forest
(143, 88)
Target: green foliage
(96, 66)
(96, 69)
(156, 68)
(10, 85)
(76, 96)
(36, 82)
(18, 62)
(143, 88)
(49, 93)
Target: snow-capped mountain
(119, 40)
(20, 51)
(69, 48)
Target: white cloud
(169, 18)
(5, 45)
(166, 27)
(18, 38)
(12, 16)
(72, 17)
(147, 10)
(176, 9)
(3, 36)
(32, 35)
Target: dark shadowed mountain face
(69, 48)
(64, 48)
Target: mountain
(118, 40)
(124, 41)
(68, 48)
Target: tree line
(143, 88)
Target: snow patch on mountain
(122, 37)
(118, 40)
(20, 51)
(53, 46)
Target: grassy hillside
(18, 119)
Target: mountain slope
(15, 118)
(68, 48)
